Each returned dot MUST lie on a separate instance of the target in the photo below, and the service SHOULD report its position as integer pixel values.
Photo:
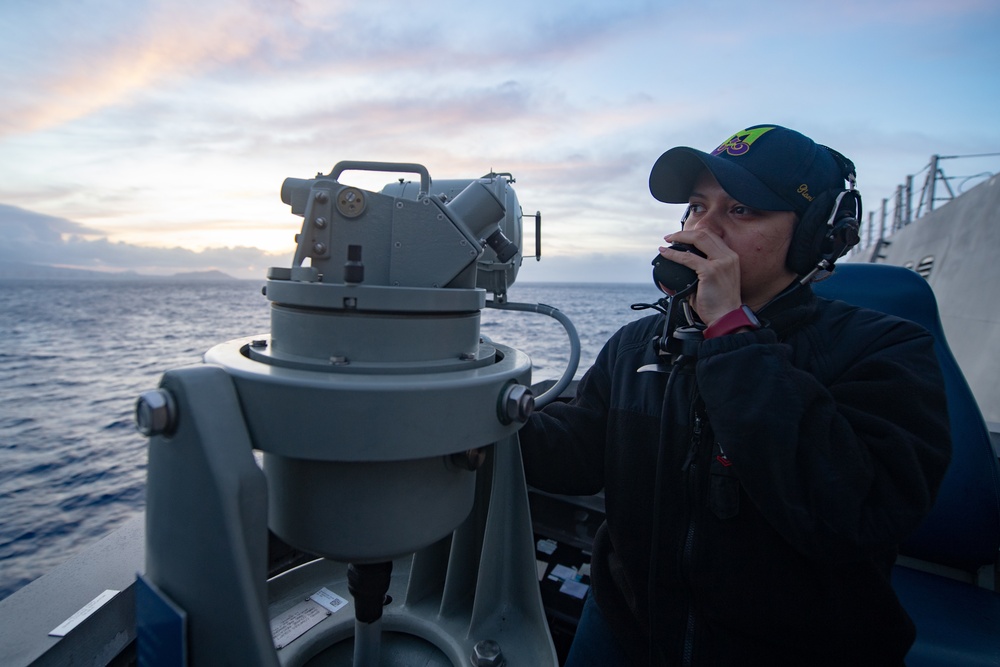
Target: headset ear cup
(806, 247)
(844, 233)
(846, 229)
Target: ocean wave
(74, 465)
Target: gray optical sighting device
(387, 432)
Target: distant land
(26, 271)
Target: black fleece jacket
(792, 461)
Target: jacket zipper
(695, 442)
(690, 467)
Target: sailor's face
(759, 238)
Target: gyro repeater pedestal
(387, 428)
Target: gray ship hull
(953, 247)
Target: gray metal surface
(372, 421)
(394, 416)
(27, 616)
(478, 584)
(958, 244)
(206, 521)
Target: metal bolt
(322, 197)
(516, 404)
(258, 342)
(155, 413)
(486, 653)
(320, 223)
(319, 248)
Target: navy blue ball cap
(767, 167)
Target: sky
(154, 135)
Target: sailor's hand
(718, 272)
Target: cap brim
(674, 174)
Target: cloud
(34, 237)
(70, 60)
(913, 11)
(47, 240)
(454, 37)
(174, 123)
(79, 57)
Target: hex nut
(516, 404)
(155, 413)
(486, 653)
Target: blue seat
(958, 622)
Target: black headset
(829, 227)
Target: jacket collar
(789, 310)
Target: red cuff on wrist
(740, 318)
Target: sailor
(757, 483)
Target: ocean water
(77, 354)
